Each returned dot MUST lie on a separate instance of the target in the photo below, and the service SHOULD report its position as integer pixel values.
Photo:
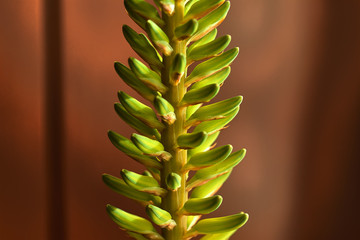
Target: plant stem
(174, 200)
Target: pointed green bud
(202, 7)
(211, 157)
(146, 145)
(160, 217)
(165, 109)
(216, 125)
(140, 111)
(186, 30)
(149, 77)
(199, 206)
(132, 222)
(208, 50)
(127, 147)
(211, 66)
(206, 174)
(136, 123)
(210, 188)
(216, 78)
(204, 40)
(219, 224)
(132, 81)
(191, 140)
(143, 47)
(214, 111)
(211, 21)
(145, 10)
(159, 38)
(150, 147)
(142, 183)
(119, 186)
(205, 146)
(200, 95)
(137, 18)
(177, 68)
(173, 181)
(219, 236)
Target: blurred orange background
(299, 73)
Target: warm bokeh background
(299, 73)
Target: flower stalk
(180, 136)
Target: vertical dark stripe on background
(328, 170)
(54, 114)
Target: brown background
(299, 73)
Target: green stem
(174, 200)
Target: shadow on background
(298, 71)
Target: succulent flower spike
(176, 128)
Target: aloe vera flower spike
(177, 135)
